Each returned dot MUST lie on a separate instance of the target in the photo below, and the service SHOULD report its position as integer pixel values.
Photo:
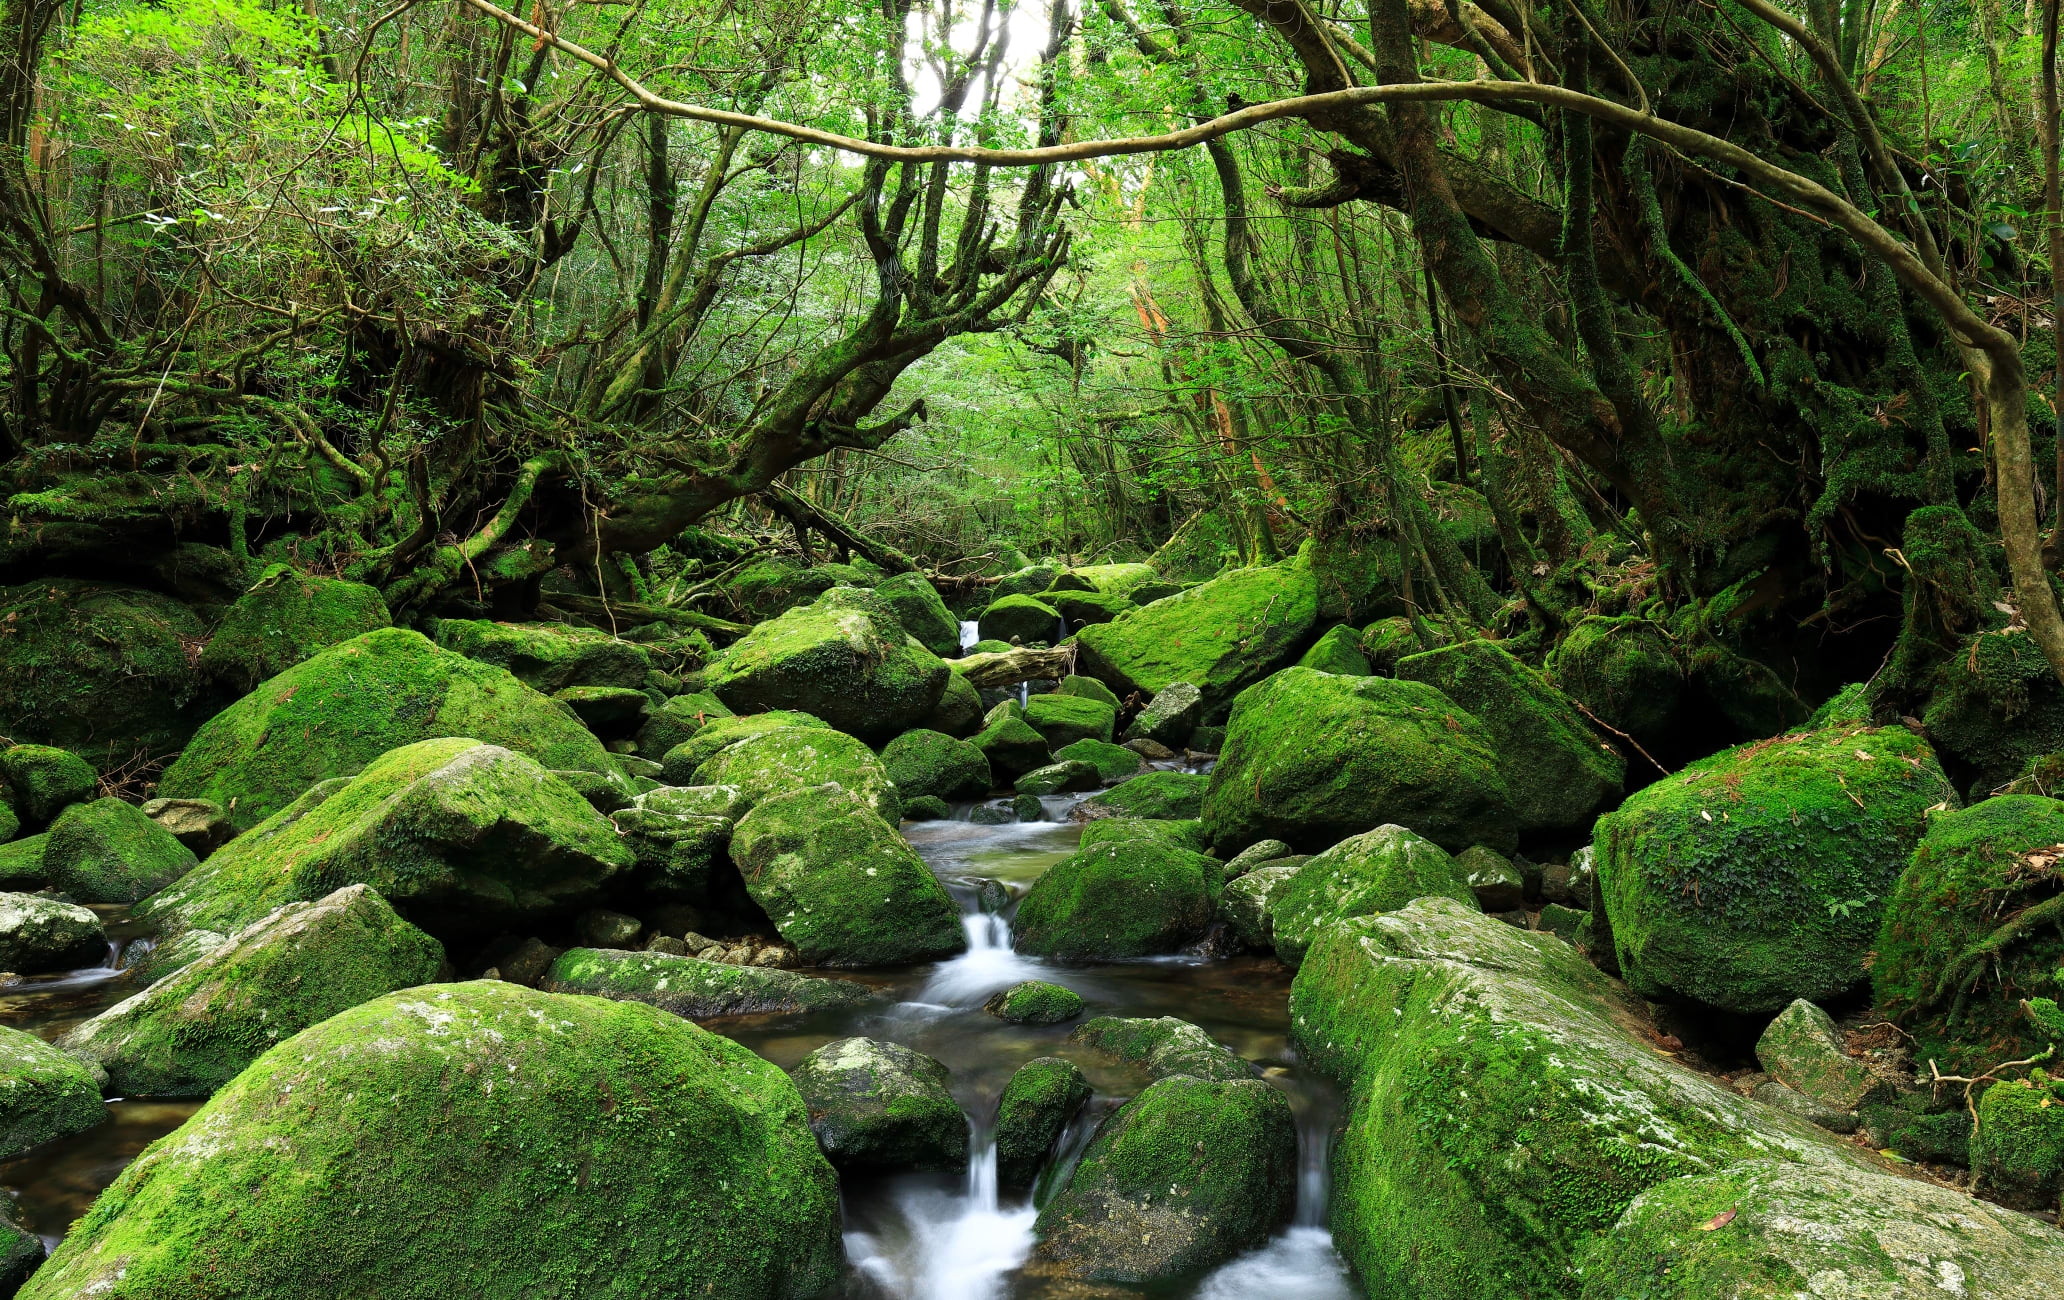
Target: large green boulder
(880, 1107)
(695, 988)
(45, 1094)
(548, 657)
(1312, 758)
(1366, 875)
(1624, 670)
(42, 781)
(1557, 771)
(1042, 1096)
(677, 721)
(918, 608)
(107, 851)
(1155, 796)
(285, 617)
(1064, 719)
(679, 836)
(1759, 875)
(1220, 637)
(460, 836)
(770, 587)
(1339, 650)
(196, 1029)
(2017, 1145)
(21, 865)
(787, 759)
(332, 714)
(845, 659)
(1170, 718)
(678, 765)
(1112, 900)
(959, 711)
(1089, 688)
(1028, 581)
(1079, 609)
(416, 1146)
(1020, 619)
(1955, 952)
(38, 933)
(840, 884)
(1112, 762)
(924, 762)
(104, 671)
(1010, 744)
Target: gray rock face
(1169, 717)
(44, 1094)
(1811, 1109)
(1040, 1099)
(1244, 903)
(41, 934)
(200, 824)
(693, 987)
(1255, 855)
(598, 927)
(879, 1106)
(1497, 884)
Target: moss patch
(106, 672)
(284, 618)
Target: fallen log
(1009, 667)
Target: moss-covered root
(419, 1145)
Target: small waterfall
(1301, 1264)
(970, 632)
(988, 965)
(1024, 694)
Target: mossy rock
(1312, 758)
(959, 711)
(45, 1094)
(1493, 881)
(989, 647)
(1115, 579)
(548, 657)
(42, 781)
(878, 1107)
(771, 587)
(1112, 762)
(1557, 771)
(1759, 875)
(1366, 875)
(1059, 778)
(1187, 835)
(1010, 744)
(1622, 669)
(1915, 1133)
(1802, 1050)
(1082, 608)
(1940, 970)
(285, 617)
(1339, 650)
(1161, 1046)
(1020, 619)
(38, 934)
(844, 658)
(1156, 796)
(1042, 1096)
(1064, 719)
(412, 1146)
(679, 764)
(1089, 688)
(1170, 718)
(1034, 1002)
(787, 759)
(2017, 1146)
(677, 721)
(1028, 581)
(1115, 900)
(916, 604)
(1386, 641)
(697, 989)
(924, 762)
(1258, 854)
(104, 671)
(1995, 707)
(107, 851)
(840, 884)
(333, 714)
(1245, 904)
(927, 808)
(460, 836)
(196, 1029)
(21, 865)
(200, 824)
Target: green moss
(413, 1146)
(2017, 1148)
(1758, 875)
(918, 608)
(45, 1094)
(697, 989)
(716, 734)
(1187, 835)
(1155, 796)
(1161, 1046)
(1219, 637)
(959, 711)
(1623, 670)
(1010, 744)
(284, 618)
(1245, 904)
(335, 713)
(845, 659)
(548, 656)
(1058, 778)
(1369, 874)
(21, 865)
(42, 781)
(1021, 619)
(1338, 651)
(1386, 641)
(109, 852)
(1089, 688)
(1127, 899)
(767, 588)
(106, 672)
(1942, 1137)
(1064, 719)
(677, 721)
(879, 1106)
(929, 763)
(1034, 1002)
(1112, 762)
(1083, 608)
(787, 759)
(1042, 1096)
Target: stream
(911, 1237)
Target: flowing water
(914, 1237)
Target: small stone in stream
(1163, 1046)
(990, 895)
(1169, 717)
(1034, 1002)
(1000, 812)
(1567, 924)
(1772, 1092)
(601, 928)
(42, 934)
(1151, 750)
(1060, 778)
(1255, 855)
(199, 824)
(1135, 898)
(1802, 1049)
(926, 808)
(45, 780)
(1040, 1099)
(1497, 884)
(1027, 808)
(107, 851)
(879, 1106)
(45, 1094)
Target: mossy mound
(1161, 1046)
(1089, 688)
(1064, 719)
(1367, 875)
(196, 1029)
(285, 617)
(678, 765)
(1623, 670)
(959, 710)
(107, 851)
(41, 934)
(1042, 1096)
(461, 837)
(1034, 1002)
(845, 659)
(42, 781)
(21, 865)
(1557, 772)
(1020, 619)
(333, 714)
(1082, 608)
(930, 763)
(697, 989)
(1187, 835)
(1963, 939)
(1153, 796)
(1010, 744)
(104, 671)
(1170, 718)
(1386, 641)
(1338, 651)
(1759, 875)
(45, 1094)
(1112, 762)
(677, 721)
(1220, 636)
(1059, 778)
(879, 1106)
(1129, 899)
(771, 587)
(1312, 758)
(1028, 581)
(548, 657)
(413, 1146)
(2017, 1145)
(787, 759)
(916, 604)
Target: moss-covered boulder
(787, 759)
(1311, 758)
(104, 671)
(845, 659)
(1557, 771)
(1034, 1002)
(1042, 1096)
(679, 837)
(42, 934)
(548, 657)
(414, 1144)
(1386, 641)
(1246, 903)
(1220, 636)
(107, 851)
(1624, 670)
(924, 762)
(2017, 1145)
(1493, 881)
(460, 836)
(1170, 717)
(200, 824)
(959, 711)
(42, 781)
(1112, 762)
(1365, 875)
(1021, 619)
(333, 714)
(1028, 581)
(285, 617)
(1154, 796)
(1059, 778)
(1080, 609)
(1759, 875)
(695, 988)
(770, 587)
(677, 721)
(1064, 719)
(1010, 744)
(1258, 854)
(1129, 899)
(878, 1106)
(1338, 650)
(840, 884)
(1956, 952)
(1187, 835)
(45, 1094)
(918, 608)
(1801, 1050)
(21, 865)
(1161, 1046)
(1505, 1103)
(196, 1029)
(1089, 688)
(679, 764)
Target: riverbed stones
(1169, 717)
(1022, 619)
(43, 780)
(844, 658)
(923, 762)
(42, 934)
(282, 619)
(1364, 875)
(787, 759)
(695, 987)
(107, 851)
(1312, 758)
(841, 884)
(45, 1094)
(1220, 636)
(880, 1107)
(1034, 1002)
(1157, 796)
(1112, 900)
(196, 1029)
(1042, 1096)
(1801, 1049)
(1759, 875)
(1161, 1046)
(668, 1161)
